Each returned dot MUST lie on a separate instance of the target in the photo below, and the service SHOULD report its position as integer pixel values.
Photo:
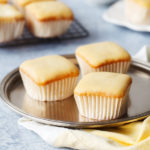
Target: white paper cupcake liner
(53, 91)
(47, 29)
(118, 67)
(10, 30)
(101, 108)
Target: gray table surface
(15, 137)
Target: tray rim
(69, 124)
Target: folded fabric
(143, 54)
(133, 136)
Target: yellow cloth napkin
(133, 136)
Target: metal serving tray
(65, 113)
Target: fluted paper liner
(53, 91)
(10, 30)
(118, 67)
(101, 108)
(48, 28)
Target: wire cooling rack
(75, 31)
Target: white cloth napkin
(78, 139)
(143, 54)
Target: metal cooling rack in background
(75, 31)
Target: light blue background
(15, 137)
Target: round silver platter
(65, 113)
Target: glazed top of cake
(46, 69)
(3, 1)
(103, 84)
(23, 3)
(144, 3)
(49, 10)
(99, 54)
(9, 12)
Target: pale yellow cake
(141, 9)
(50, 10)
(3, 1)
(10, 13)
(24, 3)
(102, 95)
(103, 56)
(48, 18)
(11, 22)
(47, 69)
(21, 4)
(103, 84)
(49, 78)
